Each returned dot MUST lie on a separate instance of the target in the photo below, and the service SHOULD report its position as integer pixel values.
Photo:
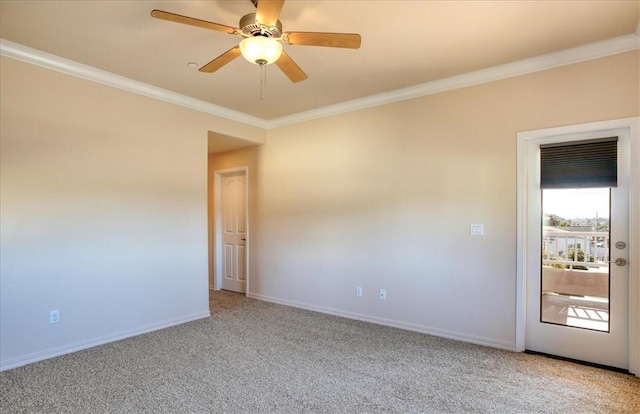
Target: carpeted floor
(257, 357)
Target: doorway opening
(600, 323)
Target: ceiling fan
(263, 38)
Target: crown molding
(566, 57)
(46, 60)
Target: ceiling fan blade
(290, 68)
(345, 40)
(221, 60)
(268, 11)
(177, 18)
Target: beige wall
(104, 205)
(384, 197)
(104, 212)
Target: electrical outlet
(383, 294)
(359, 291)
(54, 316)
(477, 230)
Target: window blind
(591, 163)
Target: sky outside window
(577, 203)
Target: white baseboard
(478, 340)
(90, 343)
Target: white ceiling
(404, 43)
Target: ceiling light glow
(261, 50)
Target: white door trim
(524, 139)
(217, 212)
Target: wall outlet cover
(477, 230)
(54, 316)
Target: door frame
(217, 214)
(524, 141)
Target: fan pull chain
(263, 80)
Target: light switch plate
(477, 230)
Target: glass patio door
(577, 281)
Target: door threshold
(577, 361)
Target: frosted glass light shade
(260, 50)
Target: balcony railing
(575, 248)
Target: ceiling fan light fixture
(261, 50)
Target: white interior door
(233, 229)
(581, 329)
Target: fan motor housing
(250, 27)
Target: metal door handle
(619, 261)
